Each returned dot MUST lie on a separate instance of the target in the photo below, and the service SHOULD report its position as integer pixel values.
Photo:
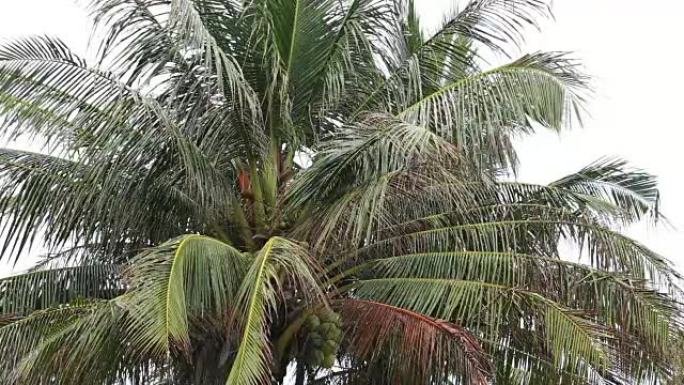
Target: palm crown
(239, 190)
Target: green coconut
(316, 339)
(327, 316)
(335, 334)
(312, 322)
(330, 347)
(326, 328)
(328, 361)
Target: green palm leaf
(262, 284)
(190, 276)
(21, 337)
(41, 289)
(481, 303)
(543, 88)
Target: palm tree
(315, 191)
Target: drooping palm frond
(24, 293)
(95, 351)
(192, 35)
(76, 203)
(135, 44)
(420, 348)
(278, 263)
(85, 344)
(87, 114)
(21, 337)
(377, 147)
(167, 31)
(497, 23)
(187, 277)
(572, 339)
(530, 226)
(172, 286)
(49, 91)
(346, 62)
(572, 283)
(631, 191)
(354, 171)
(614, 197)
(542, 87)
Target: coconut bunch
(323, 335)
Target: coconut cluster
(324, 332)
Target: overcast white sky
(631, 47)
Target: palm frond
(420, 347)
(280, 261)
(89, 114)
(95, 351)
(652, 315)
(544, 87)
(606, 249)
(632, 191)
(189, 277)
(348, 59)
(451, 50)
(574, 339)
(197, 40)
(496, 24)
(42, 289)
(135, 44)
(354, 170)
(301, 40)
(78, 203)
(18, 339)
(49, 91)
(377, 147)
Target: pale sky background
(631, 47)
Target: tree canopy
(316, 191)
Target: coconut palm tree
(315, 191)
